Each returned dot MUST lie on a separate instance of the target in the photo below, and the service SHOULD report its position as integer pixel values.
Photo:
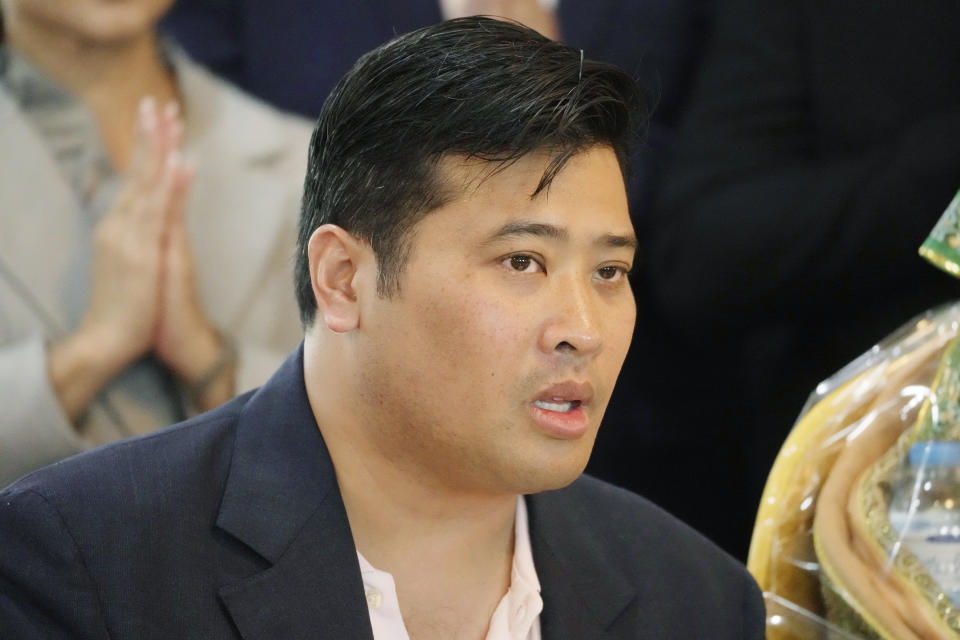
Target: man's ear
(335, 257)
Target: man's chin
(557, 483)
(552, 477)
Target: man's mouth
(560, 410)
(557, 404)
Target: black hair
(476, 87)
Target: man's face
(491, 368)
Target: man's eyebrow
(616, 241)
(554, 232)
(526, 228)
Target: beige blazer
(242, 214)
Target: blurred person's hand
(121, 320)
(129, 240)
(185, 339)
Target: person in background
(821, 144)
(413, 470)
(146, 208)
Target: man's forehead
(503, 197)
(464, 174)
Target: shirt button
(374, 597)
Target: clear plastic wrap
(858, 531)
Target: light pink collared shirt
(517, 616)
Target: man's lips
(568, 394)
(557, 404)
(559, 410)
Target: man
(461, 271)
(291, 53)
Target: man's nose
(573, 319)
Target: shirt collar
(29, 86)
(517, 617)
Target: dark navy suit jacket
(231, 525)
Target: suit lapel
(313, 590)
(583, 589)
(282, 501)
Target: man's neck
(450, 551)
(110, 78)
(450, 555)
(394, 515)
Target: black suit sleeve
(45, 589)
(765, 211)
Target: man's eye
(611, 272)
(523, 263)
